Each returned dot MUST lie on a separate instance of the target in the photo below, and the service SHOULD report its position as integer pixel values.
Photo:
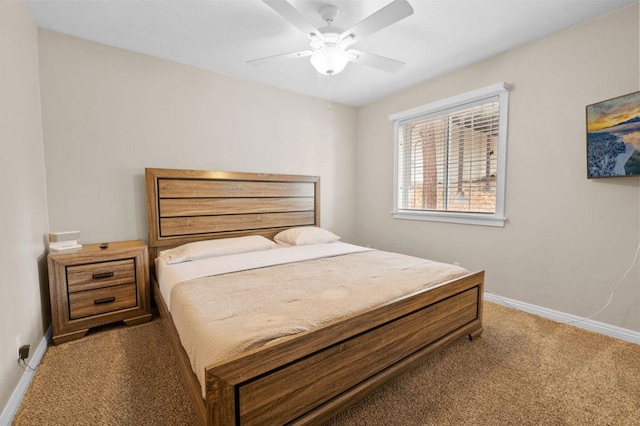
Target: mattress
(227, 306)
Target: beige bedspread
(223, 316)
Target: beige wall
(568, 240)
(23, 215)
(108, 113)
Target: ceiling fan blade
(292, 55)
(375, 61)
(291, 14)
(391, 13)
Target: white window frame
(497, 219)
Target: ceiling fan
(330, 46)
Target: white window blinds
(449, 159)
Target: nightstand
(93, 286)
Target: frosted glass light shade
(329, 60)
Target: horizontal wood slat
(314, 380)
(175, 226)
(175, 207)
(177, 188)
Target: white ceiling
(221, 35)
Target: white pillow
(214, 248)
(305, 235)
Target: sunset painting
(613, 137)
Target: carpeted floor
(524, 370)
(115, 376)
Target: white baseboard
(585, 323)
(12, 406)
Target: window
(450, 159)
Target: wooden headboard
(191, 205)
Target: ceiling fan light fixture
(330, 46)
(329, 60)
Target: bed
(307, 377)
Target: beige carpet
(524, 370)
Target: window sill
(464, 218)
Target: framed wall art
(613, 137)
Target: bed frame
(312, 376)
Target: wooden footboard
(310, 377)
(295, 379)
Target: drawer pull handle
(105, 300)
(102, 275)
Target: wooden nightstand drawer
(109, 299)
(102, 274)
